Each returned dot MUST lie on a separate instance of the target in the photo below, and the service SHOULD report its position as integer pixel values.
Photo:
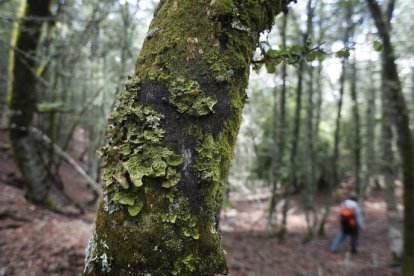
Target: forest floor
(34, 241)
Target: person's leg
(354, 242)
(339, 238)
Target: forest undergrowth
(34, 241)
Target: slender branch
(296, 57)
(58, 150)
(390, 10)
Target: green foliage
(343, 53)
(378, 46)
(290, 54)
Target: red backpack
(348, 220)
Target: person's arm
(359, 218)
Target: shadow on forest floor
(34, 241)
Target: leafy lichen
(134, 151)
(187, 96)
(188, 263)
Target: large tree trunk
(22, 97)
(393, 93)
(388, 170)
(170, 140)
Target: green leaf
(272, 53)
(343, 53)
(271, 68)
(321, 55)
(311, 57)
(378, 46)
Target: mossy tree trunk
(22, 97)
(170, 139)
(393, 94)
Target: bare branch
(43, 138)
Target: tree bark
(170, 140)
(370, 155)
(296, 128)
(280, 141)
(22, 98)
(389, 171)
(311, 212)
(356, 135)
(393, 93)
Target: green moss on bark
(407, 265)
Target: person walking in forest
(351, 223)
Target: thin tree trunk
(347, 34)
(282, 140)
(310, 191)
(22, 98)
(296, 127)
(273, 170)
(356, 135)
(335, 157)
(370, 156)
(170, 140)
(281, 133)
(291, 184)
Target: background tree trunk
(388, 169)
(22, 97)
(356, 134)
(370, 115)
(170, 140)
(393, 94)
(282, 140)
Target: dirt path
(251, 252)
